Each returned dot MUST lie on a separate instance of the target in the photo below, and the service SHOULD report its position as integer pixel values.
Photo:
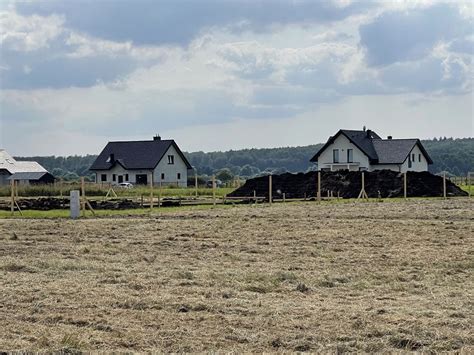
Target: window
(114, 177)
(103, 177)
(413, 157)
(335, 155)
(126, 177)
(409, 162)
(170, 159)
(179, 176)
(162, 176)
(419, 158)
(350, 155)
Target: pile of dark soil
(41, 204)
(348, 184)
(122, 204)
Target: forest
(455, 156)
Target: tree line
(455, 156)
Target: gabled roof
(395, 151)
(8, 163)
(379, 151)
(361, 139)
(135, 155)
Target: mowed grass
(331, 277)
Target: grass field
(371, 277)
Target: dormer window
(170, 159)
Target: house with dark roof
(139, 161)
(365, 150)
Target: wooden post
(214, 190)
(284, 197)
(444, 185)
(16, 188)
(469, 183)
(255, 196)
(151, 191)
(405, 186)
(159, 194)
(83, 197)
(319, 186)
(12, 187)
(196, 183)
(363, 193)
(270, 191)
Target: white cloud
(28, 33)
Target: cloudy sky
(220, 75)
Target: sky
(220, 75)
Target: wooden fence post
(405, 185)
(270, 192)
(444, 185)
(83, 197)
(159, 194)
(255, 196)
(12, 186)
(469, 183)
(363, 193)
(196, 183)
(284, 197)
(319, 186)
(214, 190)
(151, 191)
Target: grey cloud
(178, 22)
(405, 36)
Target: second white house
(365, 150)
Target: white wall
(119, 170)
(343, 144)
(416, 165)
(171, 170)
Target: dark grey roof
(379, 151)
(28, 176)
(134, 155)
(395, 151)
(361, 139)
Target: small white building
(138, 161)
(366, 151)
(25, 172)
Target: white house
(366, 151)
(138, 161)
(25, 172)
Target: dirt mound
(348, 184)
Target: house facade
(24, 172)
(137, 162)
(365, 150)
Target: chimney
(157, 138)
(111, 158)
(389, 137)
(363, 128)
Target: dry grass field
(360, 277)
